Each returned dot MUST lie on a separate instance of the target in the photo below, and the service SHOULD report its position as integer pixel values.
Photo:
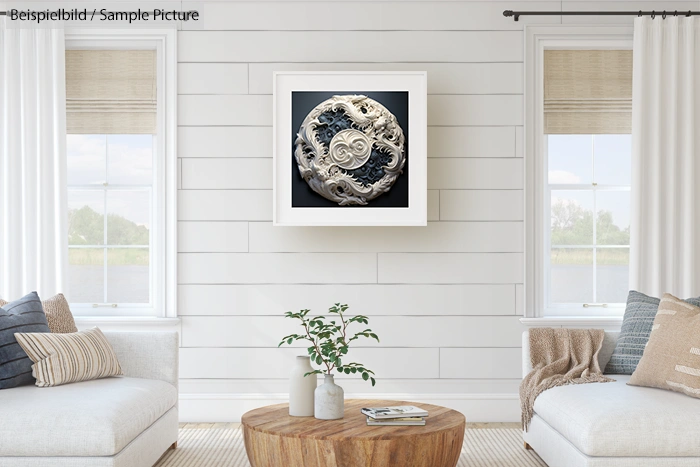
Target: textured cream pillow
(68, 358)
(57, 312)
(671, 359)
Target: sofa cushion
(634, 335)
(22, 315)
(614, 419)
(91, 418)
(69, 357)
(672, 356)
(58, 314)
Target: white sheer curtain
(665, 242)
(33, 233)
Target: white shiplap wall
(441, 297)
(445, 298)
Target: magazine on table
(412, 421)
(400, 411)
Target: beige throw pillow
(68, 358)
(58, 314)
(671, 358)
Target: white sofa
(612, 424)
(127, 421)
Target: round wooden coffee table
(273, 438)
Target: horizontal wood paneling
(481, 205)
(212, 78)
(437, 236)
(443, 78)
(354, 385)
(346, 46)
(475, 110)
(450, 268)
(276, 363)
(394, 331)
(519, 142)
(256, 110)
(519, 299)
(224, 205)
(312, 16)
(477, 174)
(455, 141)
(265, 268)
(224, 110)
(370, 300)
(212, 236)
(445, 298)
(215, 141)
(433, 205)
(480, 363)
(233, 173)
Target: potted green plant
(330, 341)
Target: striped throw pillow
(23, 315)
(671, 359)
(58, 313)
(69, 358)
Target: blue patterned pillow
(23, 315)
(634, 335)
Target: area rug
(222, 446)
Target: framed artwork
(350, 148)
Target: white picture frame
(412, 211)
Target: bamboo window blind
(587, 91)
(111, 91)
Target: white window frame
(537, 221)
(164, 229)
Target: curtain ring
(675, 13)
(653, 14)
(640, 14)
(664, 15)
(688, 15)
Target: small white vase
(301, 388)
(329, 400)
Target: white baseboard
(229, 407)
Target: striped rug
(221, 445)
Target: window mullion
(595, 223)
(104, 240)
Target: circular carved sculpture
(350, 149)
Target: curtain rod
(517, 14)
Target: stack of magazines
(402, 415)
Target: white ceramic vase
(329, 400)
(301, 388)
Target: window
(588, 191)
(578, 164)
(121, 172)
(110, 219)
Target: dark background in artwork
(303, 102)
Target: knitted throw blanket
(560, 357)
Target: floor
(222, 445)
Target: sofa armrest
(149, 355)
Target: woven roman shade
(111, 91)
(588, 91)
